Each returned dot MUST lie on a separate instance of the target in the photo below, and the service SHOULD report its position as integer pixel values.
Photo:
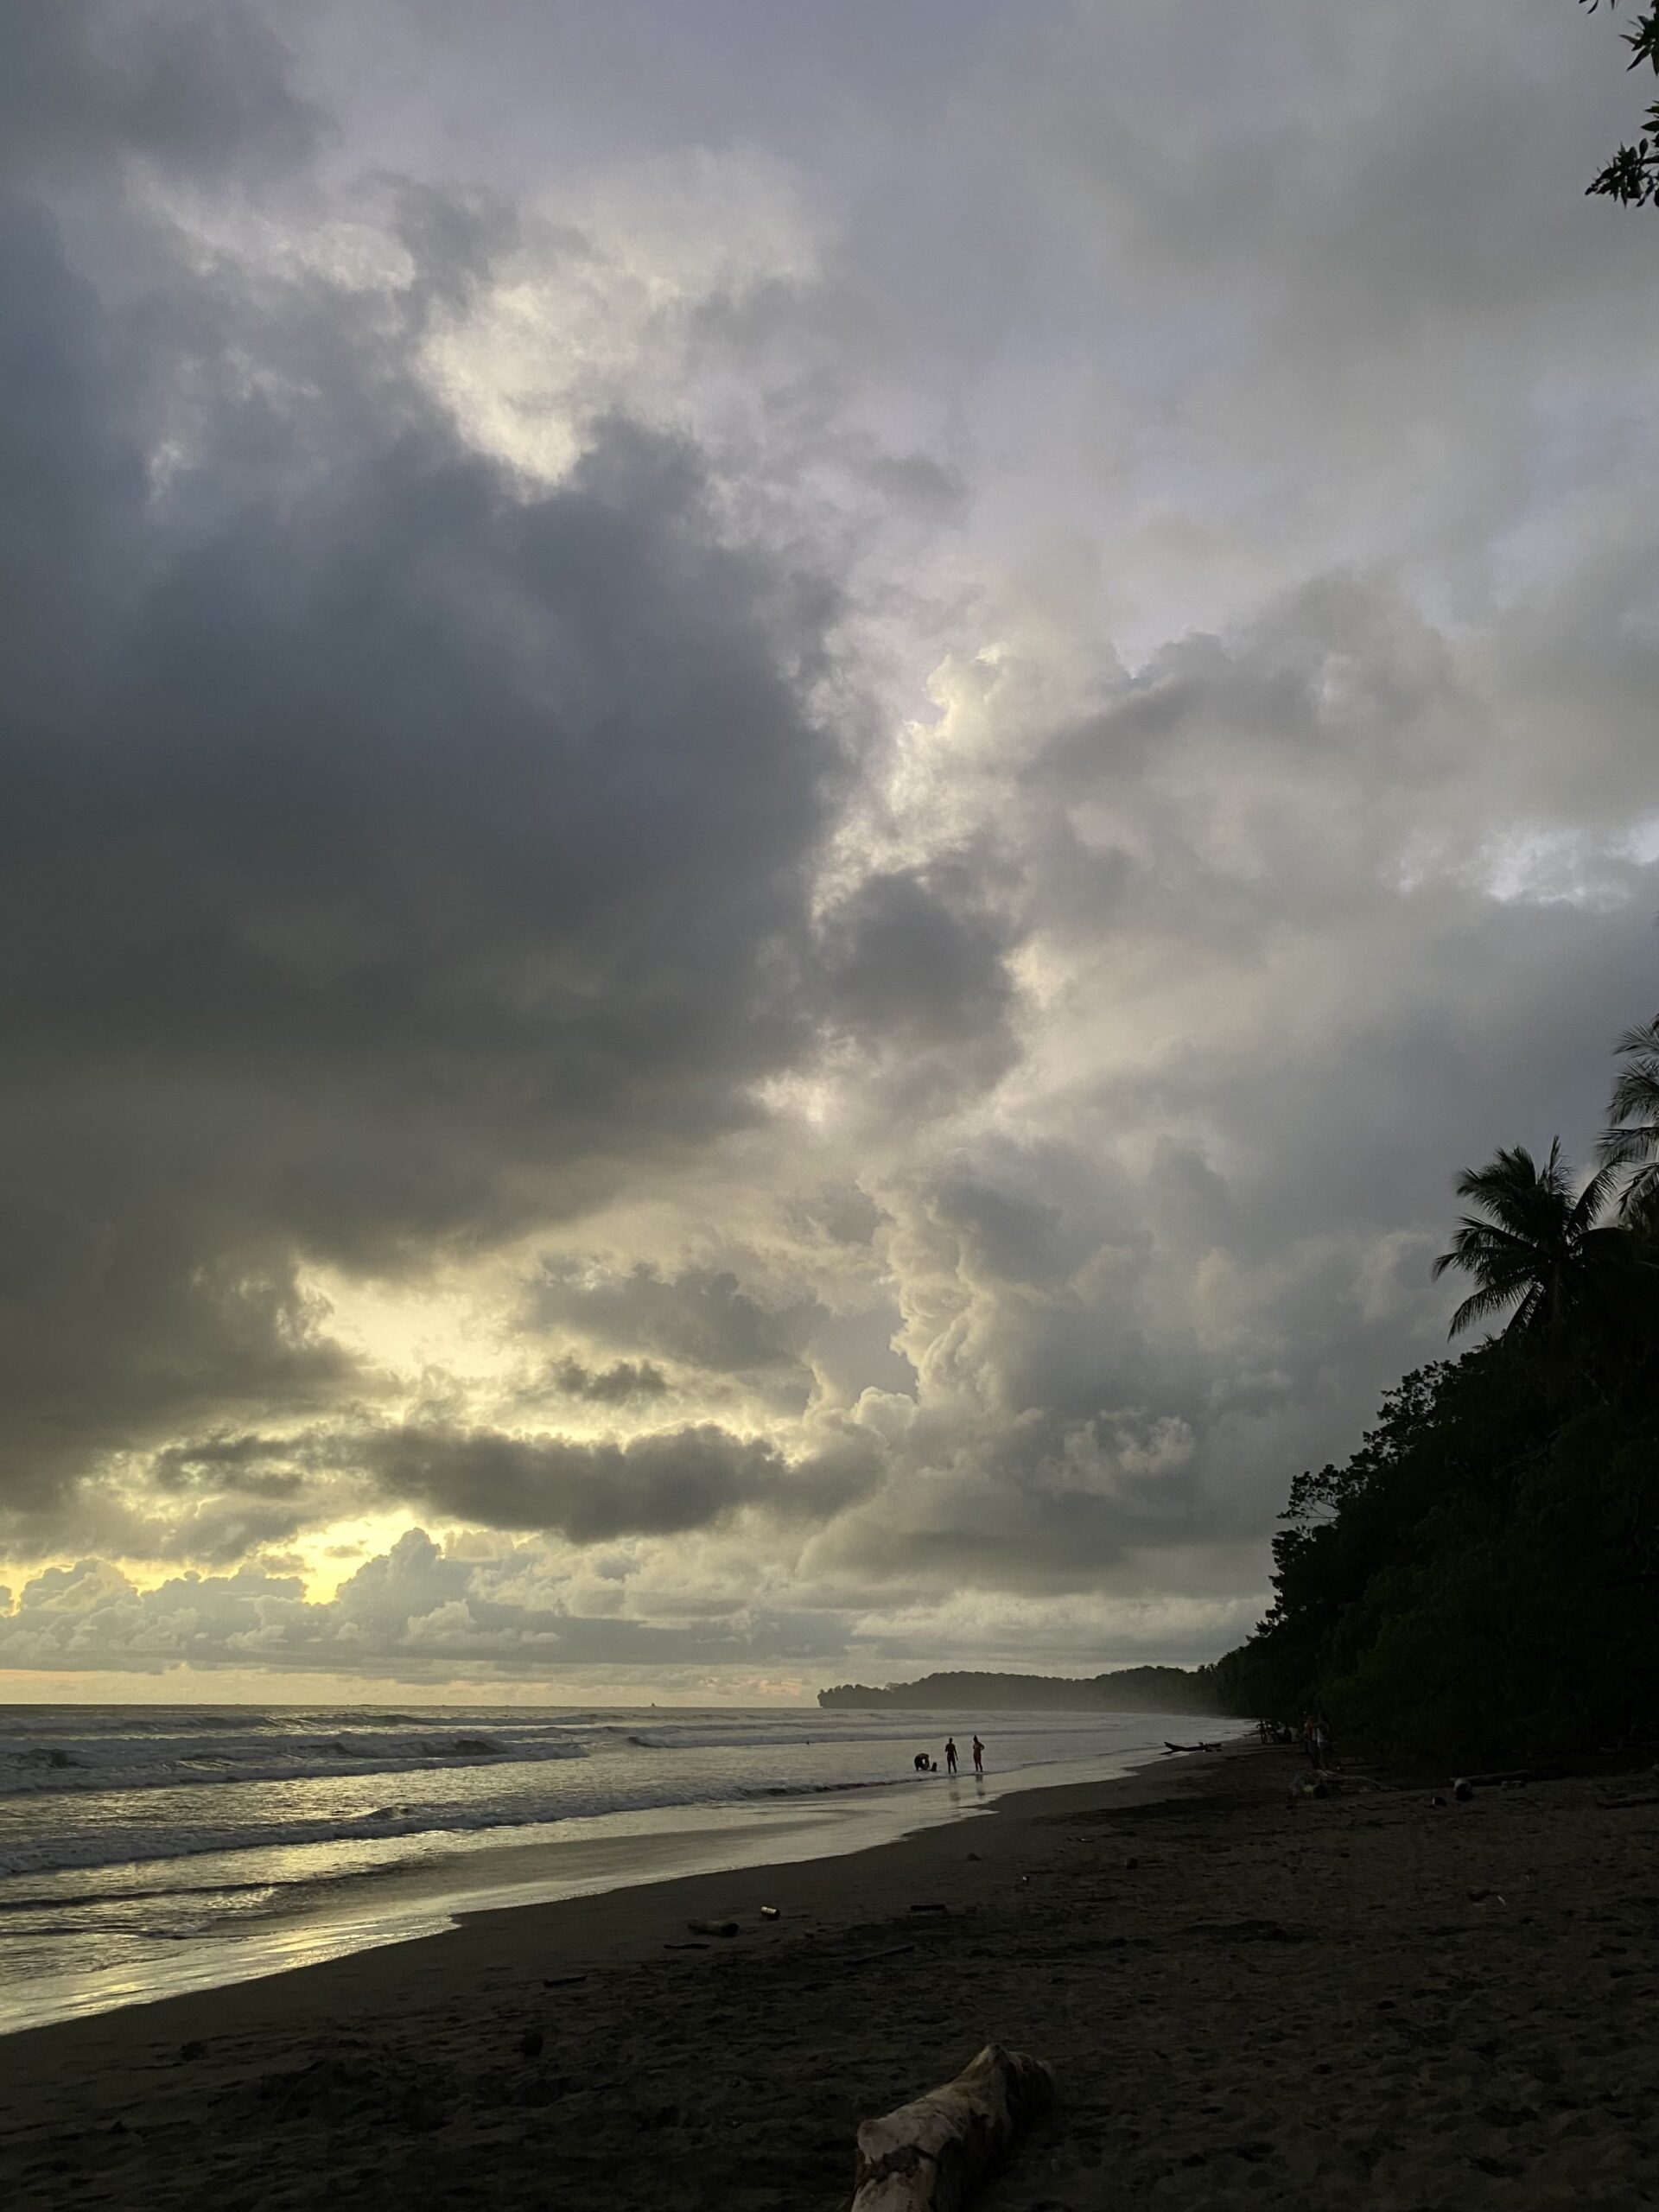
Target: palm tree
(1633, 1110)
(1532, 1244)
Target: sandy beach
(1370, 2000)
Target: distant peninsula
(1130, 1689)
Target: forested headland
(1128, 1689)
(1482, 1576)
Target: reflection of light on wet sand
(572, 1858)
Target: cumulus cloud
(417, 1612)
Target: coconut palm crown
(1531, 1244)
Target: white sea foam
(61, 1764)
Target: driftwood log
(928, 2156)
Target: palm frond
(1533, 1311)
(1591, 1200)
(1619, 1148)
(1636, 1091)
(1638, 1204)
(1645, 1038)
(1492, 1297)
(1511, 1171)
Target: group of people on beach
(924, 1764)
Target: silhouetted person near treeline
(950, 1754)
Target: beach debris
(929, 1908)
(770, 1912)
(529, 2044)
(1464, 1788)
(685, 1947)
(929, 2155)
(974, 1857)
(565, 1982)
(712, 1926)
(1437, 1800)
(192, 2050)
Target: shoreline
(1246, 1996)
(584, 1861)
(597, 1927)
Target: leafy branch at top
(1632, 176)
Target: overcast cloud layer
(777, 788)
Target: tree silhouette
(1532, 1244)
(1632, 176)
(1633, 1110)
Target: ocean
(150, 1849)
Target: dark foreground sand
(1247, 2001)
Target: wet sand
(1367, 2001)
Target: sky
(779, 786)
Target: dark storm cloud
(701, 1316)
(391, 851)
(661, 1483)
(191, 87)
(917, 959)
(657, 1485)
(618, 1385)
(261, 1466)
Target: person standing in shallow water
(979, 1758)
(950, 1754)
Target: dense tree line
(1482, 1576)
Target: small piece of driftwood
(928, 2156)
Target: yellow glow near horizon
(365, 1536)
